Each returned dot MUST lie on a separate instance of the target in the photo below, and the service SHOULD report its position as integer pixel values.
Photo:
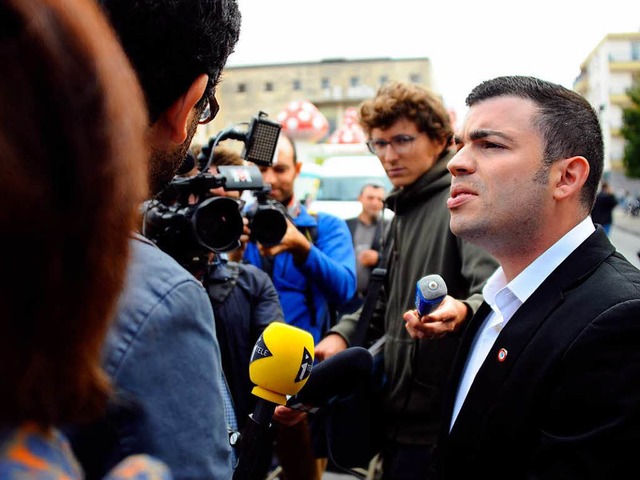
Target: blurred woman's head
(72, 174)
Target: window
(635, 50)
(383, 79)
(268, 87)
(354, 81)
(415, 78)
(242, 87)
(297, 85)
(325, 83)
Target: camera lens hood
(218, 224)
(268, 225)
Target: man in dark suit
(546, 383)
(367, 230)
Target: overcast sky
(467, 41)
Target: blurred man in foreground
(162, 353)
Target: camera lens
(268, 225)
(218, 224)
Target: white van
(342, 178)
(306, 184)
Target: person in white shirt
(546, 382)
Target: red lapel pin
(502, 354)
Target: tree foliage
(631, 132)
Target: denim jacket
(163, 357)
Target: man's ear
(175, 120)
(570, 174)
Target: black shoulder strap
(373, 290)
(375, 284)
(312, 235)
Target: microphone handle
(255, 437)
(426, 306)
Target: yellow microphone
(281, 362)
(280, 365)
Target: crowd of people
(120, 363)
(410, 132)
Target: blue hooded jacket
(327, 278)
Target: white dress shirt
(505, 299)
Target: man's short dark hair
(171, 42)
(375, 185)
(567, 122)
(293, 145)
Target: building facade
(605, 76)
(332, 85)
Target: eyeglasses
(210, 111)
(400, 143)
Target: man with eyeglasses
(410, 132)
(162, 354)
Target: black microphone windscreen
(338, 375)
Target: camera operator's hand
(237, 254)
(293, 242)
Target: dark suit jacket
(564, 402)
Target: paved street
(625, 235)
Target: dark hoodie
(419, 242)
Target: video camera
(187, 221)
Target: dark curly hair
(171, 42)
(397, 100)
